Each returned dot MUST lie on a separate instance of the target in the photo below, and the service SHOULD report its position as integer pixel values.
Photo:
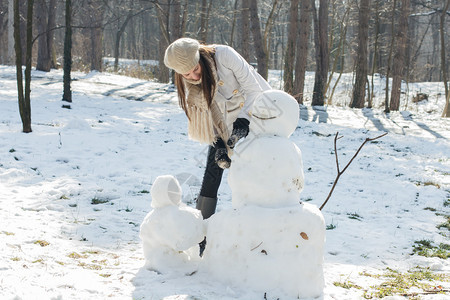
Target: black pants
(212, 177)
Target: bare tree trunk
(322, 57)
(119, 33)
(288, 74)
(233, 25)
(391, 49)
(302, 50)
(44, 54)
(176, 23)
(67, 92)
(359, 89)
(399, 57)
(24, 99)
(11, 32)
(51, 34)
(375, 51)
(204, 20)
(163, 13)
(96, 34)
(184, 18)
(245, 33)
(446, 112)
(261, 41)
(261, 55)
(339, 56)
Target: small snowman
(270, 241)
(171, 231)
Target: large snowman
(270, 241)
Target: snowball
(278, 251)
(167, 234)
(266, 171)
(165, 191)
(274, 112)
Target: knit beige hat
(182, 55)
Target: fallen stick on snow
(339, 173)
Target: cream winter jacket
(238, 84)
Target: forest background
(404, 40)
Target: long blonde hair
(208, 83)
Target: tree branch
(339, 173)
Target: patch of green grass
(96, 252)
(75, 255)
(446, 224)
(144, 192)
(8, 233)
(427, 249)
(12, 150)
(354, 216)
(347, 285)
(398, 283)
(331, 226)
(64, 197)
(41, 243)
(90, 266)
(430, 209)
(95, 201)
(15, 258)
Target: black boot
(207, 206)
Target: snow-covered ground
(74, 191)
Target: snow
(74, 192)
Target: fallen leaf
(304, 236)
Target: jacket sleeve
(251, 82)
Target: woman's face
(195, 74)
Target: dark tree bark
(96, 34)
(399, 56)
(375, 51)
(260, 40)
(67, 93)
(288, 74)
(261, 55)
(446, 112)
(46, 25)
(204, 20)
(92, 18)
(359, 89)
(302, 50)
(176, 21)
(388, 68)
(24, 98)
(233, 25)
(245, 32)
(119, 33)
(163, 13)
(322, 56)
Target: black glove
(240, 130)
(221, 156)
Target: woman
(216, 89)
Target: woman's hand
(240, 130)
(221, 156)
